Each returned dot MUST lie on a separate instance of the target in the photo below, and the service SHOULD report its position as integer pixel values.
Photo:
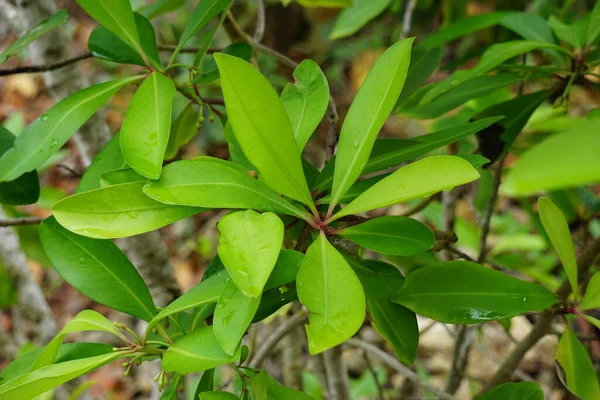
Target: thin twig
(399, 367)
(460, 357)
(30, 69)
(269, 344)
(489, 211)
(338, 385)
(374, 374)
(407, 19)
(332, 120)
(76, 174)
(259, 32)
(20, 221)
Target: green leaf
(557, 228)
(218, 396)
(116, 16)
(331, 291)
(120, 176)
(197, 351)
(46, 135)
(475, 160)
(210, 71)
(398, 326)
(206, 292)
(491, 58)
(23, 190)
(160, 7)
(41, 380)
(592, 320)
(369, 110)
(277, 391)
(214, 183)
(232, 317)
(183, 130)
(573, 34)
(515, 391)
(391, 235)
(146, 127)
(249, 246)
(86, 320)
(206, 383)
(594, 25)
(305, 100)
(117, 211)
(578, 166)
(204, 12)
(50, 23)
(422, 64)
(462, 292)
(260, 385)
(356, 16)
(379, 279)
(419, 179)
(529, 26)
(577, 367)
(108, 46)
(98, 269)
(8, 292)
(591, 299)
(286, 269)
(110, 158)
(268, 143)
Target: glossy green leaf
(23, 190)
(249, 246)
(491, 58)
(398, 325)
(331, 291)
(41, 380)
(117, 211)
(305, 100)
(423, 62)
(529, 26)
(46, 135)
(379, 279)
(108, 46)
(462, 292)
(514, 391)
(210, 71)
(197, 351)
(116, 16)
(367, 114)
(232, 317)
(86, 320)
(50, 23)
(594, 25)
(356, 16)
(579, 372)
(591, 299)
(286, 269)
(547, 166)
(120, 176)
(204, 12)
(419, 179)
(260, 385)
(269, 142)
(160, 7)
(573, 34)
(110, 158)
(557, 228)
(98, 269)
(184, 128)
(146, 127)
(391, 235)
(215, 183)
(206, 292)
(206, 383)
(218, 396)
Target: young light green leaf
(23, 190)
(98, 269)
(204, 12)
(214, 183)
(249, 246)
(579, 372)
(462, 292)
(117, 211)
(183, 130)
(120, 176)
(594, 25)
(578, 166)
(529, 26)
(391, 235)
(260, 385)
(117, 17)
(110, 158)
(367, 114)
(331, 291)
(146, 127)
(305, 100)
(591, 299)
(86, 320)
(419, 179)
(398, 326)
(41, 380)
(50, 23)
(232, 317)
(269, 142)
(46, 135)
(514, 391)
(197, 351)
(557, 228)
(356, 16)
